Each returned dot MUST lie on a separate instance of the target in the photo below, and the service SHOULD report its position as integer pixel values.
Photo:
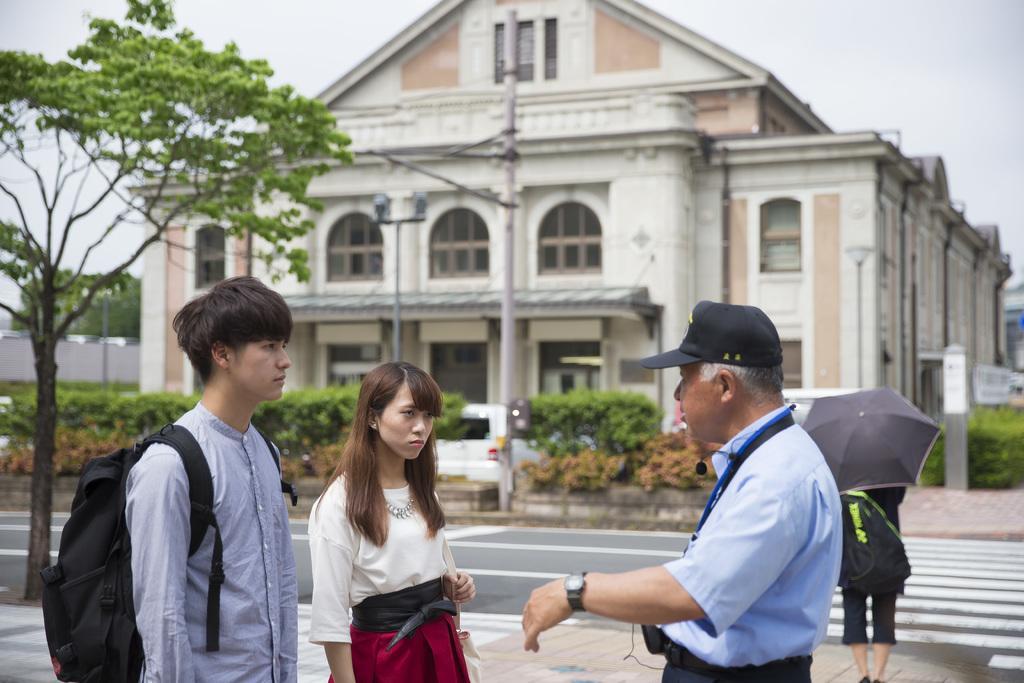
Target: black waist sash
(403, 611)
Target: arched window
(570, 240)
(355, 250)
(459, 245)
(209, 256)
(780, 236)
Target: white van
(475, 455)
(804, 399)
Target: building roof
(615, 301)
(748, 73)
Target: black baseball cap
(724, 333)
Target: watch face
(573, 582)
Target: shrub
(586, 470)
(74, 448)
(667, 460)
(607, 421)
(995, 451)
(304, 418)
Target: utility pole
(508, 304)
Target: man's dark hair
(234, 312)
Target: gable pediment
(450, 50)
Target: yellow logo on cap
(725, 357)
(737, 357)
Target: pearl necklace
(403, 512)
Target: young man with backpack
(235, 336)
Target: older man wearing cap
(749, 599)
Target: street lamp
(859, 255)
(382, 215)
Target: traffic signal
(520, 417)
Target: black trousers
(798, 673)
(855, 617)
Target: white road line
(1014, 589)
(987, 608)
(474, 531)
(25, 527)
(928, 570)
(20, 552)
(997, 546)
(947, 621)
(567, 549)
(1001, 559)
(982, 640)
(513, 574)
(967, 564)
(1006, 662)
(515, 619)
(963, 594)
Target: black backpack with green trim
(874, 558)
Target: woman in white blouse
(376, 536)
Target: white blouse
(348, 568)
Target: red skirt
(432, 654)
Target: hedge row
(995, 451)
(91, 423)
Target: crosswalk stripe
(1010, 547)
(983, 640)
(947, 621)
(1015, 587)
(966, 573)
(990, 608)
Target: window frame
(550, 49)
(204, 257)
(451, 246)
(777, 237)
(345, 249)
(527, 59)
(560, 241)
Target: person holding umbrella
(750, 597)
(876, 441)
(883, 605)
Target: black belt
(403, 611)
(679, 657)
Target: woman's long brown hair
(366, 507)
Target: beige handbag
(474, 664)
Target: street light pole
(106, 334)
(382, 216)
(396, 325)
(859, 255)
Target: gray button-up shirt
(259, 598)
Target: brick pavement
(978, 513)
(594, 654)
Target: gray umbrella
(871, 438)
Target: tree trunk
(45, 349)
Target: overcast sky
(946, 73)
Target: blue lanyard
(716, 492)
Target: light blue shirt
(765, 564)
(259, 597)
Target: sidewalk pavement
(583, 652)
(979, 513)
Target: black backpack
(874, 559)
(88, 610)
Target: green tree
(176, 134)
(124, 313)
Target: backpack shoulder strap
(200, 493)
(286, 486)
(200, 481)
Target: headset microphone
(701, 468)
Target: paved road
(963, 607)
